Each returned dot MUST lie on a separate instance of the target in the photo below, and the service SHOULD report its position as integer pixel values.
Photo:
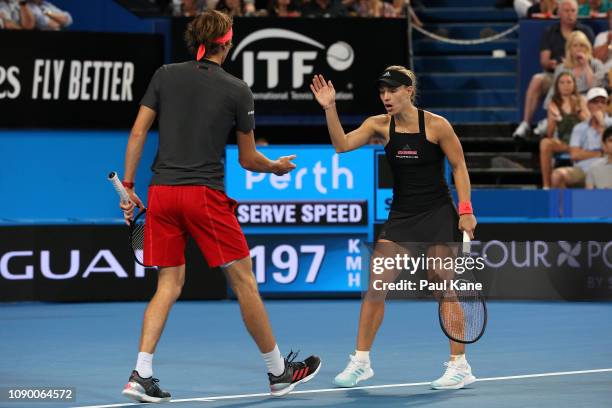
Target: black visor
(394, 79)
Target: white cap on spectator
(596, 93)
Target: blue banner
(384, 198)
(309, 262)
(321, 174)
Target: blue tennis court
(299, 143)
(533, 354)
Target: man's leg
(244, 285)
(142, 386)
(169, 286)
(283, 374)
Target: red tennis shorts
(202, 212)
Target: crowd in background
(548, 8)
(294, 8)
(574, 84)
(32, 15)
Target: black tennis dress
(422, 208)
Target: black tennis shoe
(295, 373)
(144, 389)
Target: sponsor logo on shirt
(407, 152)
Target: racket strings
(463, 315)
(137, 238)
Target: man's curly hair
(204, 28)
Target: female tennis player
(416, 144)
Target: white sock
(362, 356)
(144, 365)
(459, 359)
(274, 361)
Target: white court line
(368, 387)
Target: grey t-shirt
(198, 104)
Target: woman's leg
(549, 146)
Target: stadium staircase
(475, 91)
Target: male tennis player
(198, 103)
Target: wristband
(127, 184)
(465, 207)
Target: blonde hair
(576, 37)
(410, 74)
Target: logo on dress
(407, 152)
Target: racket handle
(467, 243)
(114, 179)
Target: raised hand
(324, 92)
(582, 59)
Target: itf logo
(339, 56)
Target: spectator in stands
(49, 17)
(566, 109)
(585, 142)
(602, 48)
(552, 50)
(324, 8)
(535, 8)
(543, 9)
(189, 8)
(588, 71)
(374, 8)
(283, 8)
(521, 7)
(401, 6)
(237, 8)
(592, 8)
(16, 15)
(211, 4)
(600, 174)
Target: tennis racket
(137, 225)
(462, 308)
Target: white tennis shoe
(355, 372)
(456, 376)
